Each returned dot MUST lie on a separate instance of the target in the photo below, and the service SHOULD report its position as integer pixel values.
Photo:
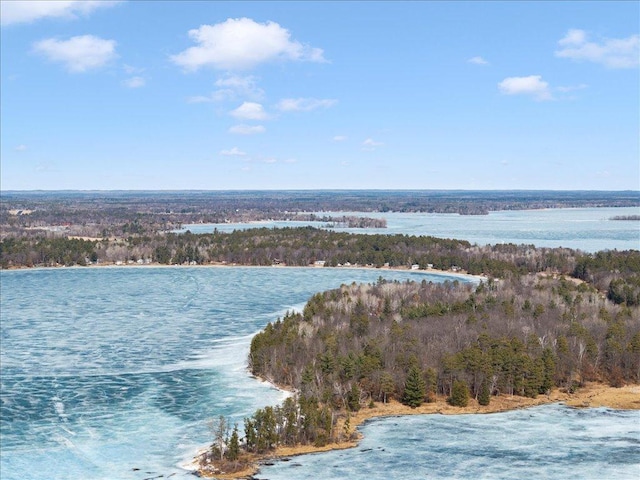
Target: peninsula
(395, 348)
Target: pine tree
(414, 388)
(250, 434)
(549, 371)
(233, 450)
(484, 396)
(459, 394)
(353, 398)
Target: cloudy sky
(309, 95)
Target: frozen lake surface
(112, 373)
(587, 229)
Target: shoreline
(431, 271)
(592, 395)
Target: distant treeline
(344, 221)
(626, 217)
(615, 272)
(103, 214)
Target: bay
(113, 372)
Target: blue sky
(310, 95)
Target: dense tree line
(46, 252)
(614, 272)
(413, 341)
(520, 336)
(97, 214)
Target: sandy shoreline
(430, 271)
(592, 395)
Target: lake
(112, 372)
(107, 370)
(587, 229)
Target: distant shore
(592, 395)
(432, 271)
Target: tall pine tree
(414, 388)
(459, 394)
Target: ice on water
(113, 372)
(551, 441)
(587, 229)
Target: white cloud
(531, 85)
(249, 111)
(247, 129)
(270, 160)
(304, 104)
(241, 44)
(20, 148)
(16, 11)
(478, 61)
(234, 152)
(134, 82)
(370, 144)
(610, 52)
(78, 54)
(339, 138)
(573, 37)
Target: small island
(396, 348)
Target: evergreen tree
(353, 398)
(484, 396)
(250, 434)
(233, 450)
(414, 388)
(549, 371)
(459, 394)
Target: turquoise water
(587, 229)
(547, 442)
(112, 373)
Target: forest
(411, 342)
(615, 272)
(113, 213)
(542, 318)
